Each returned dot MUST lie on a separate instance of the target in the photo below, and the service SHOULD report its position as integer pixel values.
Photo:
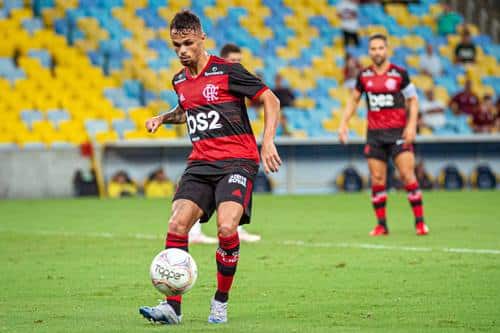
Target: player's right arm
(175, 116)
(350, 109)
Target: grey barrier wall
(309, 166)
(39, 173)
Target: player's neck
(200, 64)
(382, 68)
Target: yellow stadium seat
(423, 82)
(305, 103)
(257, 127)
(165, 133)
(441, 94)
(137, 135)
(105, 137)
(436, 9)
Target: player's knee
(377, 179)
(227, 223)
(227, 229)
(177, 225)
(408, 177)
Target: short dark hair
(378, 36)
(186, 20)
(229, 48)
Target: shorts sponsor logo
(238, 179)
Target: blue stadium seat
(123, 125)
(94, 126)
(31, 116)
(57, 116)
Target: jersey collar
(188, 74)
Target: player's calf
(379, 200)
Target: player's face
(188, 46)
(378, 51)
(234, 57)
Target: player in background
(391, 131)
(231, 53)
(224, 161)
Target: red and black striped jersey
(386, 96)
(217, 119)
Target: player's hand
(270, 158)
(343, 134)
(409, 134)
(152, 124)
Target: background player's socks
(227, 256)
(379, 199)
(415, 199)
(178, 242)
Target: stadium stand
(96, 69)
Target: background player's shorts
(384, 151)
(208, 191)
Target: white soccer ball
(173, 272)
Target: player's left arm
(243, 83)
(269, 154)
(410, 93)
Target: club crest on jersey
(238, 179)
(391, 84)
(210, 92)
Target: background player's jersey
(217, 118)
(386, 96)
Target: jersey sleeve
(243, 83)
(359, 84)
(407, 88)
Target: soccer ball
(173, 272)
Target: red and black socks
(415, 199)
(227, 257)
(175, 241)
(379, 199)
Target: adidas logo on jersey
(182, 98)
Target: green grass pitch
(82, 266)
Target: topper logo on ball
(168, 274)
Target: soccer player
(224, 160)
(231, 53)
(391, 131)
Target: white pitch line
(299, 243)
(389, 247)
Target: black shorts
(208, 191)
(383, 151)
